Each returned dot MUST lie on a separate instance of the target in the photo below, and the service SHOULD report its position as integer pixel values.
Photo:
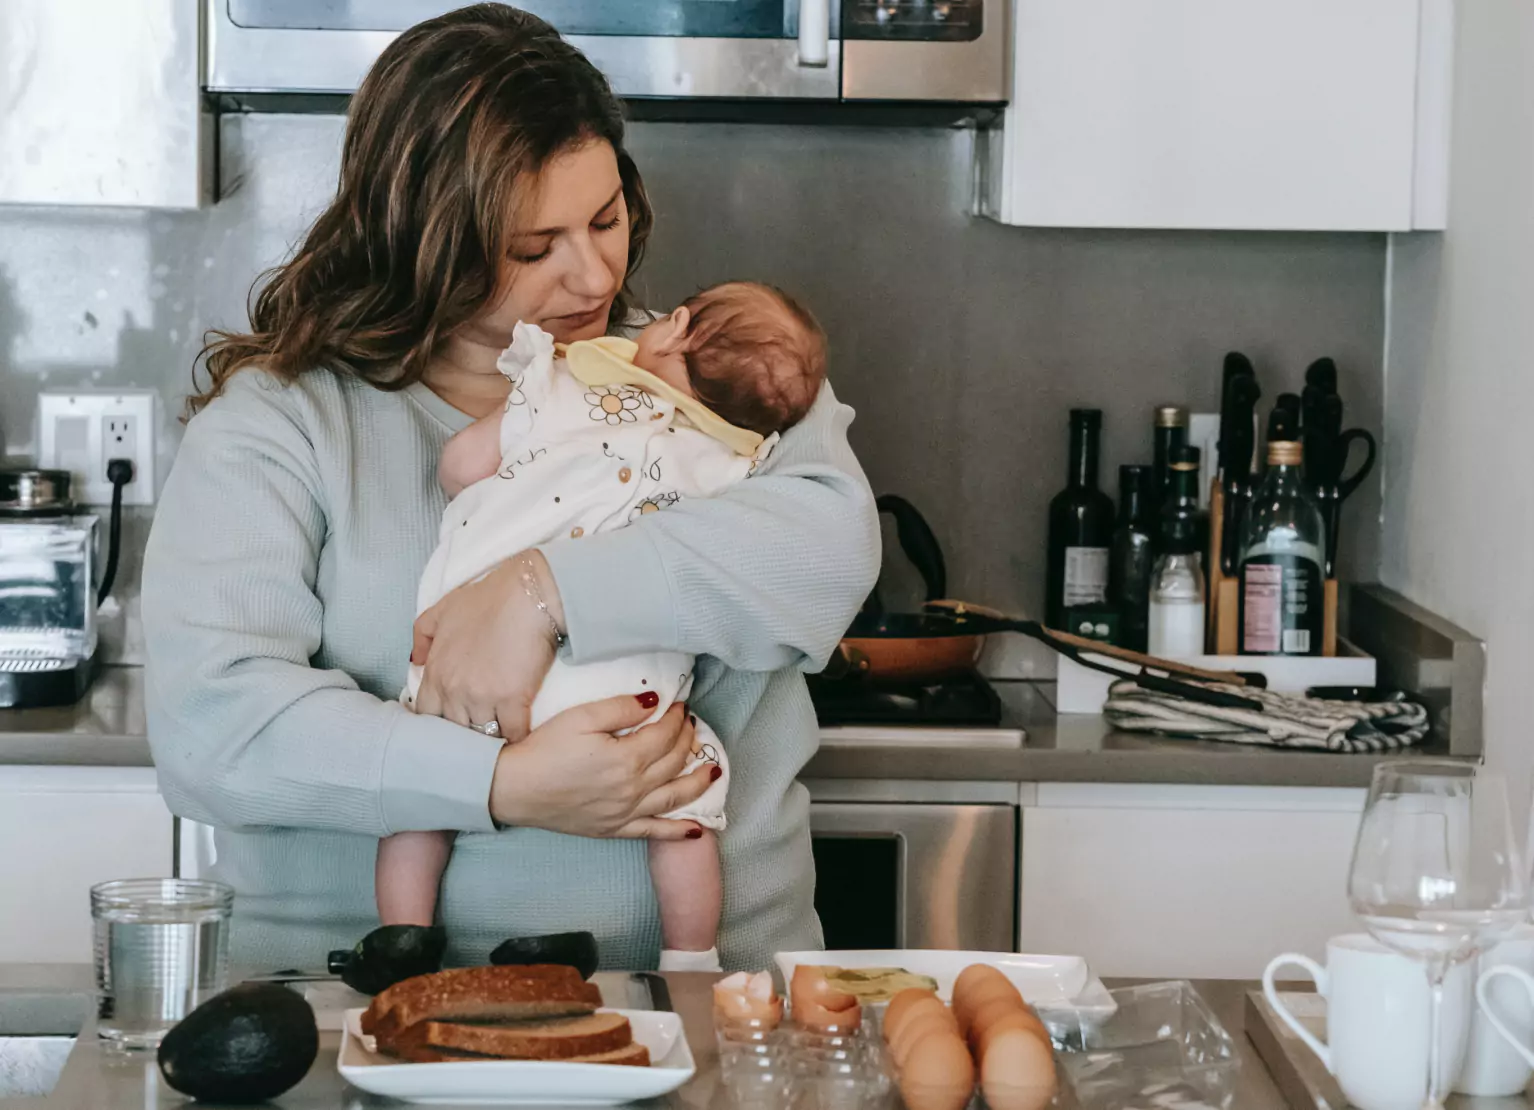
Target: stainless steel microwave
(952, 51)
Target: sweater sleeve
(244, 730)
(764, 576)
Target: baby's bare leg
(689, 888)
(409, 872)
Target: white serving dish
(1083, 690)
(1047, 983)
(523, 1082)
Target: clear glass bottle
(1176, 617)
(1282, 553)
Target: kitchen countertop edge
(108, 729)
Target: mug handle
(1481, 985)
(1270, 992)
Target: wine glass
(1437, 873)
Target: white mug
(1377, 1020)
(1497, 1061)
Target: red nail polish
(714, 773)
(694, 834)
(649, 699)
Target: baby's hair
(755, 355)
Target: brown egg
(919, 1025)
(938, 1074)
(1017, 1072)
(977, 985)
(817, 1003)
(894, 1013)
(1024, 1019)
(993, 1010)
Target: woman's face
(569, 254)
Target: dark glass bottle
(1282, 552)
(1080, 528)
(1171, 432)
(1131, 556)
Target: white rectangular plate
(1047, 983)
(524, 1082)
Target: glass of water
(161, 949)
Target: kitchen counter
(1086, 748)
(95, 1080)
(107, 729)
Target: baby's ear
(673, 329)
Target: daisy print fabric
(617, 405)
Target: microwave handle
(814, 32)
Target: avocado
(577, 950)
(390, 954)
(246, 1045)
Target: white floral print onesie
(575, 460)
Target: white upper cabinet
(1316, 115)
(100, 104)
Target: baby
(588, 443)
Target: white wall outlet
(1204, 433)
(82, 432)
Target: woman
(483, 181)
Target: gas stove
(965, 711)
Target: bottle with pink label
(1281, 583)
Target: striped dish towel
(1285, 720)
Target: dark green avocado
(390, 954)
(577, 950)
(246, 1045)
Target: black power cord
(119, 473)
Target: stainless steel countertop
(107, 729)
(1085, 748)
(94, 1080)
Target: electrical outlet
(1204, 433)
(82, 432)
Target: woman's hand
(487, 646)
(572, 775)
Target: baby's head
(751, 353)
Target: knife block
(1329, 620)
(1223, 602)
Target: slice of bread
(481, 994)
(560, 1039)
(634, 1055)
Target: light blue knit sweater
(279, 591)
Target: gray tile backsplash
(961, 343)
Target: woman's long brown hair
(455, 118)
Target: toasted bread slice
(559, 1039)
(634, 1055)
(481, 994)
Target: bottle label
(1281, 606)
(1086, 575)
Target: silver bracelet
(530, 587)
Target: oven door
(914, 50)
(916, 875)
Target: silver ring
(489, 728)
